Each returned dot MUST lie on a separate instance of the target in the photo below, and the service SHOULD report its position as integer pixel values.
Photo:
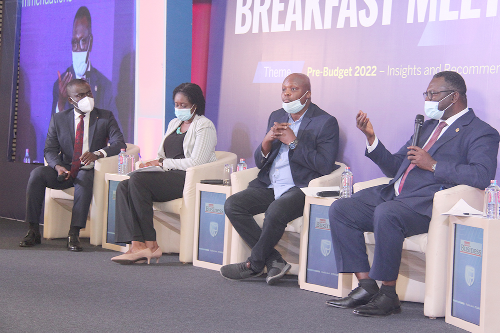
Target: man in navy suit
(455, 147)
(301, 144)
(99, 129)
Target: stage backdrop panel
(372, 55)
(46, 35)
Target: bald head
(300, 80)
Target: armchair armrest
(332, 179)
(241, 179)
(370, 183)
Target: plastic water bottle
(242, 165)
(491, 200)
(122, 162)
(27, 156)
(346, 183)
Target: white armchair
(422, 274)
(59, 203)
(289, 243)
(174, 220)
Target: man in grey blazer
(301, 144)
(455, 147)
(100, 137)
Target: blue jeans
(242, 206)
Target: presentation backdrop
(46, 49)
(372, 55)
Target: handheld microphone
(419, 120)
(61, 177)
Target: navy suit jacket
(315, 153)
(60, 141)
(466, 154)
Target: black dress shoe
(380, 305)
(31, 239)
(74, 243)
(357, 297)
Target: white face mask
(85, 104)
(294, 106)
(183, 114)
(80, 63)
(432, 111)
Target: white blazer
(199, 144)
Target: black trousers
(242, 206)
(390, 221)
(45, 176)
(134, 202)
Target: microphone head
(419, 119)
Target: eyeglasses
(82, 44)
(430, 94)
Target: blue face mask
(183, 114)
(432, 111)
(294, 106)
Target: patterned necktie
(77, 152)
(428, 146)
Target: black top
(173, 145)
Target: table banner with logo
(321, 266)
(467, 267)
(212, 222)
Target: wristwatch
(98, 154)
(160, 160)
(293, 144)
(434, 167)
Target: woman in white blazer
(189, 141)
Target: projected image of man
(81, 49)
(455, 147)
(301, 144)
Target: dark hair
(194, 95)
(83, 12)
(455, 80)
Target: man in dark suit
(81, 46)
(301, 144)
(75, 140)
(457, 148)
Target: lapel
(70, 122)
(94, 116)
(453, 131)
(305, 121)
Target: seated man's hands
(88, 158)
(280, 131)
(420, 158)
(149, 163)
(62, 170)
(365, 125)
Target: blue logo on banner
(326, 247)
(214, 227)
(276, 71)
(469, 275)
